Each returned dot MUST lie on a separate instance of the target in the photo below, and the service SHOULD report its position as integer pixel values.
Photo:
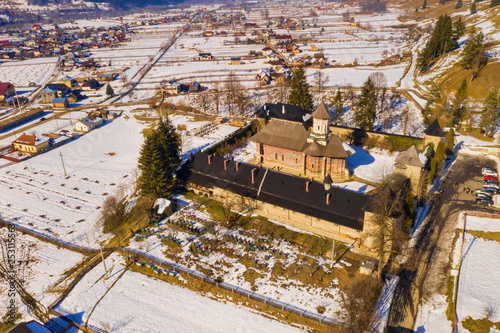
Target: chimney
(209, 159)
(283, 109)
(191, 157)
(254, 170)
(308, 184)
(328, 197)
(237, 165)
(225, 164)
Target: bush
(321, 309)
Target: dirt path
(431, 255)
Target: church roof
(410, 157)
(434, 129)
(294, 137)
(281, 111)
(277, 188)
(321, 112)
(284, 135)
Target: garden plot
(40, 264)
(133, 302)
(242, 257)
(38, 195)
(22, 73)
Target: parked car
(484, 201)
(491, 189)
(490, 177)
(484, 196)
(482, 191)
(490, 173)
(490, 182)
(488, 169)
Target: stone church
(303, 148)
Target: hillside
(447, 71)
(128, 4)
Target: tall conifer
(299, 94)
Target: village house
(29, 143)
(6, 90)
(236, 61)
(87, 124)
(60, 103)
(310, 151)
(68, 82)
(172, 88)
(106, 77)
(205, 56)
(91, 84)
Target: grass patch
(482, 325)
(476, 133)
(479, 88)
(492, 236)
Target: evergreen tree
(443, 2)
(366, 110)
(299, 94)
(459, 4)
(494, 3)
(159, 159)
(109, 90)
(473, 9)
(434, 97)
(491, 113)
(459, 29)
(410, 209)
(443, 39)
(474, 54)
(338, 107)
(440, 150)
(459, 103)
(450, 141)
(432, 172)
(424, 6)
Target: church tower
(320, 131)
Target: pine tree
(299, 94)
(410, 209)
(443, 2)
(109, 90)
(432, 172)
(338, 107)
(459, 103)
(424, 6)
(159, 160)
(366, 110)
(459, 29)
(491, 113)
(459, 4)
(434, 97)
(450, 141)
(473, 9)
(443, 39)
(440, 150)
(474, 53)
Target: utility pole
(104, 263)
(333, 250)
(62, 161)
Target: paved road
(426, 273)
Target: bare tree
(320, 80)
(384, 229)
(234, 93)
(203, 101)
(282, 91)
(379, 80)
(358, 301)
(216, 95)
(235, 210)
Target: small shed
(236, 61)
(367, 266)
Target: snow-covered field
(38, 195)
(22, 73)
(40, 264)
(478, 291)
(133, 302)
(372, 165)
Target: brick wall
(281, 156)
